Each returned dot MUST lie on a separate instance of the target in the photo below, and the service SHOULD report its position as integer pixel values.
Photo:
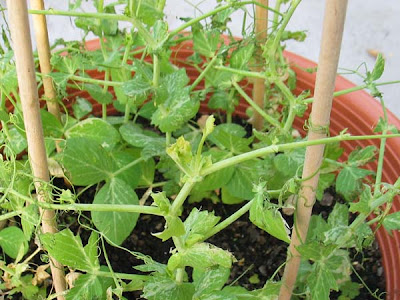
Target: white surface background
(369, 25)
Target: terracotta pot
(358, 111)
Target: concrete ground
(370, 25)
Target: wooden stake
(259, 84)
(43, 47)
(335, 13)
(19, 27)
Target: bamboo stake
(335, 13)
(43, 47)
(19, 26)
(259, 84)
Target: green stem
(203, 73)
(381, 157)
(278, 35)
(181, 197)
(275, 20)
(121, 275)
(167, 138)
(105, 88)
(229, 117)
(161, 5)
(246, 97)
(127, 113)
(228, 221)
(284, 147)
(156, 71)
(129, 208)
(94, 81)
(215, 11)
(152, 210)
(242, 72)
(103, 16)
(128, 166)
(292, 103)
(354, 89)
(126, 52)
(9, 215)
(179, 275)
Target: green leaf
(86, 161)
(378, 68)
(173, 227)
(228, 198)
(318, 226)
(348, 182)
(165, 288)
(147, 110)
(4, 116)
(321, 281)
(392, 222)
(116, 226)
(181, 154)
(220, 100)
(201, 256)
(350, 289)
(86, 287)
(241, 56)
(175, 107)
(289, 163)
(97, 129)
(161, 201)
(363, 205)
(209, 280)
(81, 107)
(132, 175)
(17, 142)
(339, 215)
(230, 142)
(68, 250)
(98, 94)
(362, 156)
(138, 87)
(268, 218)
(147, 11)
(152, 144)
(217, 179)
(198, 224)
(152, 266)
(29, 220)
(364, 236)
(205, 42)
(160, 33)
(246, 174)
(51, 125)
(147, 168)
(337, 234)
(315, 251)
(13, 242)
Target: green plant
(157, 135)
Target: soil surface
(258, 254)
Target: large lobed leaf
(116, 226)
(67, 248)
(174, 105)
(86, 161)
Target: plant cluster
(162, 149)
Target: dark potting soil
(258, 254)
